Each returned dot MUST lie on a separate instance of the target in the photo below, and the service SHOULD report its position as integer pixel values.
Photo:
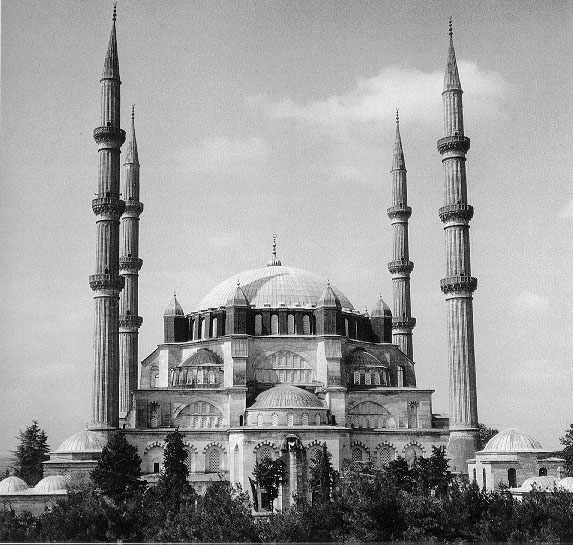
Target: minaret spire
(400, 267)
(107, 283)
(458, 285)
(130, 264)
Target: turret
(458, 285)
(328, 313)
(381, 320)
(236, 312)
(400, 267)
(107, 283)
(175, 324)
(130, 264)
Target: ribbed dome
(202, 357)
(12, 485)
(362, 358)
(565, 484)
(285, 396)
(83, 441)
(50, 485)
(273, 287)
(545, 483)
(512, 440)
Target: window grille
(290, 324)
(258, 324)
(305, 419)
(275, 419)
(290, 419)
(306, 325)
(214, 460)
(265, 453)
(211, 377)
(377, 379)
(260, 419)
(386, 456)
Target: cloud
(528, 301)
(222, 156)
(416, 93)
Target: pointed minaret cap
(174, 308)
(398, 162)
(329, 298)
(131, 153)
(451, 77)
(111, 64)
(274, 261)
(381, 309)
(238, 297)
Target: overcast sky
(256, 118)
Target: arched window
(258, 324)
(260, 419)
(368, 379)
(346, 329)
(377, 378)
(357, 458)
(155, 419)
(265, 453)
(190, 461)
(475, 475)
(317, 419)
(211, 376)
(275, 419)
(200, 376)
(306, 325)
(484, 484)
(356, 377)
(290, 419)
(274, 324)
(153, 376)
(385, 455)
(512, 477)
(543, 472)
(305, 419)
(213, 460)
(236, 463)
(204, 333)
(214, 333)
(411, 452)
(413, 414)
(290, 324)
(400, 377)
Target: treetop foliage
(31, 451)
(567, 442)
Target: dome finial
(274, 261)
(451, 31)
(114, 11)
(397, 116)
(133, 112)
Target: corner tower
(130, 264)
(458, 285)
(400, 267)
(107, 283)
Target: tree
(269, 475)
(322, 475)
(30, 453)
(118, 470)
(567, 442)
(485, 434)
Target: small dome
(202, 357)
(329, 298)
(285, 396)
(84, 441)
(542, 484)
(12, 485)
(512, 440)
(361, 358)
(174, 308)
(50, 485)
(381, 309)
(565, 484)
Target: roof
(274, 287)
(512, 440)
(542, 484)
(202, 357)
(12, 485)
(362, 358)
(174, 308)
(54, 484)
(285, 396)
(328, 298)
(84, 441)
(566, 484)
(381, 309)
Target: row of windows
(271, 376)
(384, 455)
(306, 419)
(370, 377)
(181, 376)
(294, 327)
(370, 421)
(511, 476)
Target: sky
(256, 118)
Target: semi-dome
(12, 485)
(274, 286)
(285, 396)
(512, 440)
(202, 357)
(564, 484)
(361, 358)
(83, 441)
(543, 484)
(53, 484)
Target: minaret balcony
(456, 142)
(399, 212)
(130, 265)
(453, 284)
(108, 206)
(457, 213)
(130, 321)
(109, 136)
(400, 267)
(133, 207)
(106, 282)
(403, 322)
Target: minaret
(400, 267)
(130, 264)
(458, 285)
(107, 283)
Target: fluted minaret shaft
(130, 264)
(107, 283)
(400, 267)
(458, 285)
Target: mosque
(274, 361)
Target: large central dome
(273, 286)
